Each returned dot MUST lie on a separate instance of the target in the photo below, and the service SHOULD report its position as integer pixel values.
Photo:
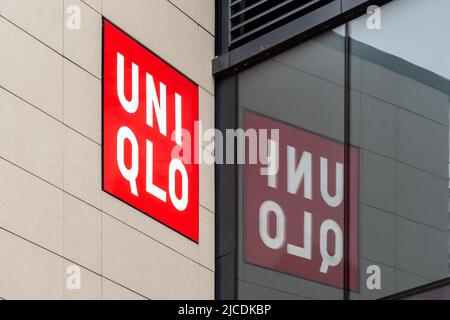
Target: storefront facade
(62, 236)
(345, 104)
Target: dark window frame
(230, 60)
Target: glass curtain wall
(357, 211)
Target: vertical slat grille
(250, 19)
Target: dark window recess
(249, 19)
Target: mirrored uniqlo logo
(149, 114)
(294, 219)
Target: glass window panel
(400, 118)
(290, 237)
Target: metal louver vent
(250, 19)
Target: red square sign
(294, 219)
(149, 114)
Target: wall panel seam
(69, 260)
(108, 214)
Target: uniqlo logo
(294, 218)
(149, 114)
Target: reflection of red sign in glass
(294, 219)
(147, 109)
